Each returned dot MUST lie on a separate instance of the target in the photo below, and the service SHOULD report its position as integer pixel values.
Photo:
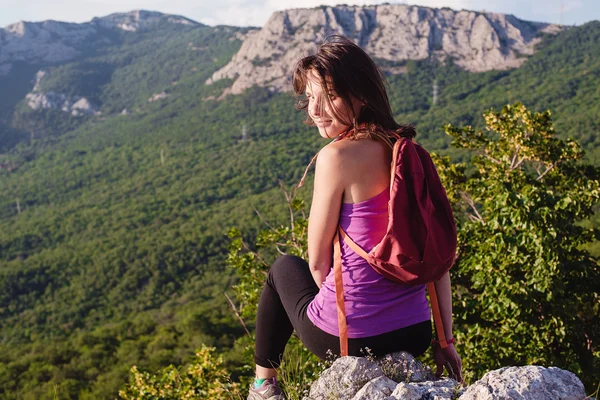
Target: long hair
(343, 67)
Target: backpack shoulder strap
(352, 244)
(339, 295)
(437, 316)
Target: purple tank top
(374, 305)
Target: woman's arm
(325, 211)
(444, 293)
(447, 357)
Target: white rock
(158, 96)
(377, 389)
(345, 377)
(526, 383)
(83, 106)
(48, 100)
(442, 389)
(38, 79)
(407, 391)
(357, 378)
(136, 20)
(51, 100)
(402, 367)
(476, 41)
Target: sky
(256, 12)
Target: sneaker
(269, 390)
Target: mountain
(55, 42)
(58, 75)
(65, 67)
(475, 41)
(113, 223)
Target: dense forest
(113, 227)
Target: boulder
(441, 389)
(524, 383)
(398, 376)
(344, 379)
(394, 376)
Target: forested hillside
(113, 226)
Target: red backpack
(419, 246)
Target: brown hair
(345, 68)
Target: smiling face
(328, 111)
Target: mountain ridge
(476, 41)
(55, 42)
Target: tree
(205, 378)
(526, 290)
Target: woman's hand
(448, 358)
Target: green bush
(526, 290)
(205, 378)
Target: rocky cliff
(140, 20)
(476, 41)
(55, 42)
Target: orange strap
(356, 248)
(437, 316)
(339, 295)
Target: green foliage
(299, 367)
(527, 292)
(252, 266)
(117, 257)
(205, 378)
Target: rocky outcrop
(43, 42)
(158, 96)
(74, 105)
(55, 42)
(38, 80)
(399, 376)
(138, 20)
(476, 41)
(529, 382)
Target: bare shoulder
(361, 167)
(330, 162)
(353, 152)
(338, 159)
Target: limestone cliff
(476, 41)
(55, 42)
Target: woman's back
(374, 305)
(366, 165)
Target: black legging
(282, 309)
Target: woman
(345, 98)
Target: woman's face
(329, 126)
